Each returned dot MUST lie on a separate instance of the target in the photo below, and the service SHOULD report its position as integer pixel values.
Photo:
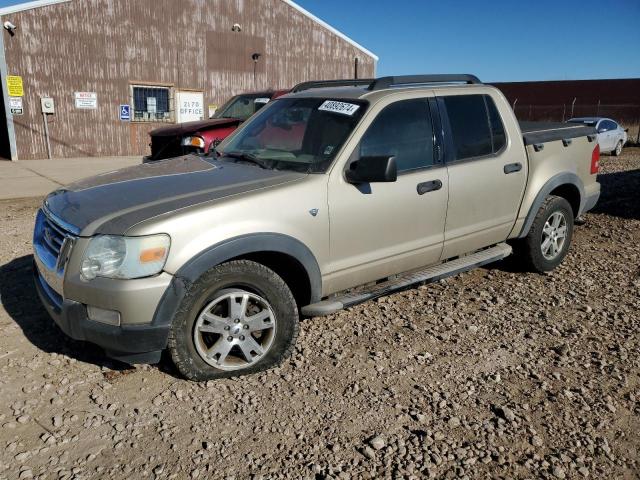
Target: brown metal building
(92, 56)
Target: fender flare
(232, 248)
(566, 178)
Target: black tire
(618, 150)
(240, 275)
(529, 249)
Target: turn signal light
(197, 142)
(595, 160)
(153, 255)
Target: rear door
(380, 229)
(487, 169)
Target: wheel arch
(566, 185)
(287, 256)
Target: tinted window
(609, 125)
(403, 130)
(498, 135)
(469, 126)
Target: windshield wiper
(246, 157)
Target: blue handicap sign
(125, 112)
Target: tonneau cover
(542, 132)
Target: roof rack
(387, 82)
(354, 82)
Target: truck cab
(323, 199)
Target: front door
(606, 135)
(487, 168)
(380, 229)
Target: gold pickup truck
(323, 199)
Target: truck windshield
(300, 134)
(242, 106)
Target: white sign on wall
(152, 104)
(190, 106)
(15, 104)
(86, 100)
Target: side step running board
(426, 275)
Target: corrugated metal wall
(560, 100)
(104, 46)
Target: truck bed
(542, 132)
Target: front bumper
(127, 343)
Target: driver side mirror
(372, 169)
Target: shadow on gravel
(20, 299)
(619, 195)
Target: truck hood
(114, 202)
(193, 127)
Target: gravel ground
(494, 373)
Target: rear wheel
(549, 237)
(238, 318)
(618, 150)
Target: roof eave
(331, 29)
(21, 7)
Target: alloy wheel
(554, 235)
(235, 330)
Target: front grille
(166, 147)
(53, 237)
(49, 239)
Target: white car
(611, 136)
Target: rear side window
(476, 126)
(498, 137)
(403, 130)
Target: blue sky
(500, 40)
(497, 40)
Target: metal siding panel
(104, 45)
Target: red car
(204, 135)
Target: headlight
(125, 257)
(197, 142)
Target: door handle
(431, 186)
(512, 168)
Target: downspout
(11, 132)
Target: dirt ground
(491, 374)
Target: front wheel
(238, 318)
(548, 240)
(618, 150)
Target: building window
(152, 104)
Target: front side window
(242, 106)
(301, 134)
(152, 103)
(402, 130)
(607, 126)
